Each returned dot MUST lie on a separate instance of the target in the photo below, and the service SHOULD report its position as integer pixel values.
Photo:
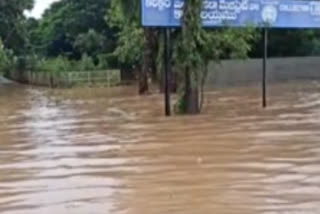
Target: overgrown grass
(63, 64)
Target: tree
(126, 16)
(7, 59)
(190, 54)
(197, 46)
(12, 23)
(66, 25)
(289, 42)
(90, 43)
(3, 57)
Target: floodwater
(99, 151)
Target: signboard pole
(167, 73)
(264, 70)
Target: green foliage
(13, 30)
(289, 42)
(197, 46)
(86, 63)
(192, 36)
(125, 16)
(54, 65)
(124, 11)
(136, 47)
(181, 105)
(314, 47)
(103, 61)
(130, 45)
(60, 64)
(90, 43)
(8, 61)
(77, 35)
(72, 28)
(3, 56)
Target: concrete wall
(244, 72)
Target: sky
(39, 7)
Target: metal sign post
(167, 73)
(264, 69)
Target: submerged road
(4, 80)
(93, 151)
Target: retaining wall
(243, 72)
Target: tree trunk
(174, 82)
(154, 47)
(143, 80)
(149, 66)
(143, 74)
(191, 95)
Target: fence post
(70, 78)
(108, 79)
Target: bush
(56, 65)
(53, 65)
(7, 60)
(62, 64)
(86, 63)
(103, 61)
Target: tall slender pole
(264, 70)
(167, 73)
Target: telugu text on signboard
(236, 13)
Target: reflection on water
(96, 151)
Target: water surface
(99, 151)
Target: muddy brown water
(98, 151)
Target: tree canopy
(12, 23)
(74, 27)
